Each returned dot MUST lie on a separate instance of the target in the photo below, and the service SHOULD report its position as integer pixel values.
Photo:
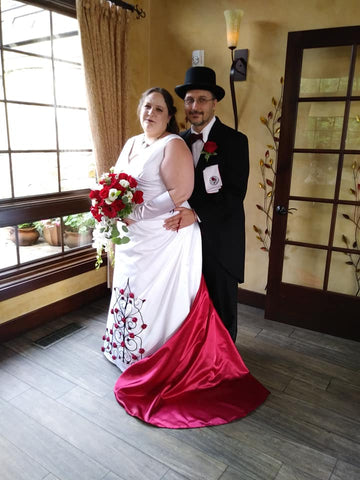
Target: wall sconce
(239, 58)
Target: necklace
(144, 143)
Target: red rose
(210, 147)
(104, 192)
(95, 194)
(132, 182)
(138, 197)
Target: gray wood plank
(335, 344)
(107, 413)
(286, 360)
(10, 386)
(293, 428)
(336, 402)
(34, 375)
(288, 472)
(49, 450)
(171, 475)
(217, 443)
(105, 448)
(315, 415)
(113, 476)
(74, 362)
(16, 465)
(316, 351)
(339, 387)
(233, 474)
(345, 471)
(259, 436)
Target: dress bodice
(145, 167)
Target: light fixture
(239, 58)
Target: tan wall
(178, 28)
(31, 301)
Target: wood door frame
(314, 309)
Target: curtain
(103, 29)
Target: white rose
(124, 183)
(112, 196)
(129, 195)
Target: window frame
(26, 277)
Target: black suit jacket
(221, 214)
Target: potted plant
(51, 231)
(28, 233)
(78, 229)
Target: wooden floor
(59, 419)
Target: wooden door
(314, 264)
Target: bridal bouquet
(114, 200)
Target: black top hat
(200, 78)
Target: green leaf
(124, 228)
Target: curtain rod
(127, 6)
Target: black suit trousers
(223, 290)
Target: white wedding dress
(157, 274)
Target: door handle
(281, 210)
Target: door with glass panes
(314, 266)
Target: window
(46, 161)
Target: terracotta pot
(76, 239)
(27, 236)
(52, 234)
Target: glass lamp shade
(233, 20)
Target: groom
(221, 162)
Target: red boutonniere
(209, 149)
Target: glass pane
(28, 78)
(5, 181)
(36, 240)
(50, 230)
(325, 71)
(31, 127)
(319, 124)
(314, 175)
(353, 133)
(356, 84)
(7, 248)
(70, 85)
(34, 173)
(304, 266)
(3, 130)
(77, 170)
(1, 81)
(67, 40)
(309, 223)
(73, 128)
(26, 28)
(347, 232)
(350, 178)
(343, 277)
(78, 229)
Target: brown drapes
(103, 29)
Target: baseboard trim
(31, 320)
(254, 299)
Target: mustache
(196, 112)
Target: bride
(180, 366)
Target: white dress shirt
(197, 146)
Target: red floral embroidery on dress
(124, 341)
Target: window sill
(37, 275)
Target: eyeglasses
(200, 100)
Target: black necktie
(194, 137)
